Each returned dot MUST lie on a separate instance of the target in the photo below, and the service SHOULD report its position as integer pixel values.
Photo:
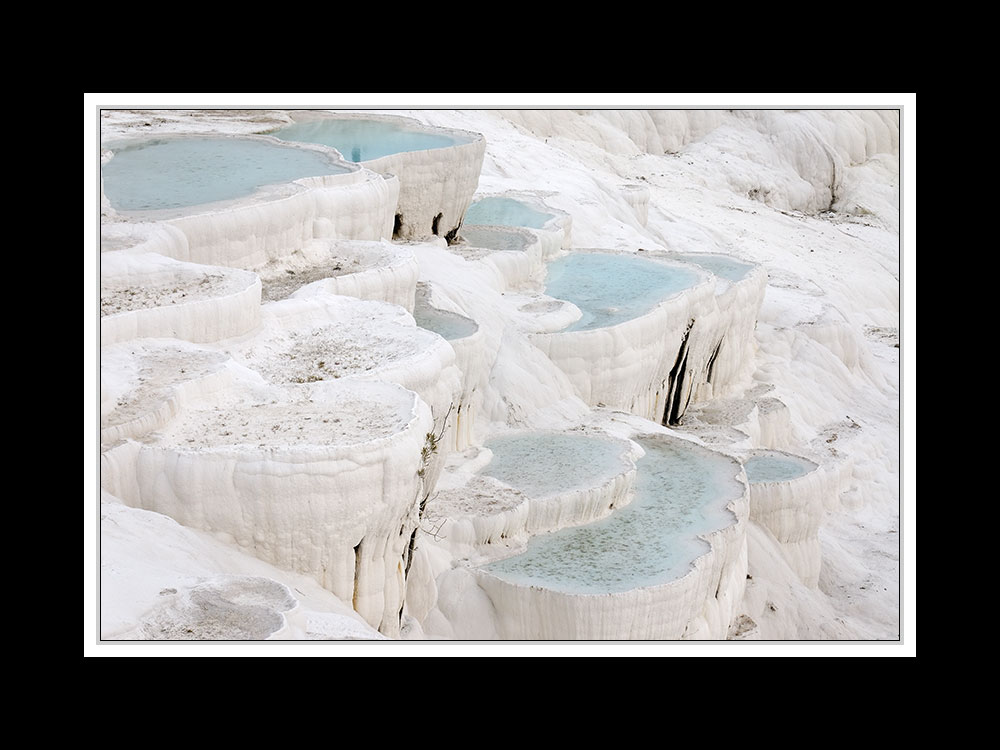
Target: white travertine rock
(153, 296)
(792, 510)
(517, 267)
(506, 378)
(323, 337)
(199, 586)
(774, 424)
(628, 366)
(789, 160)
(481, 512)
(352, 268)
(324, 481)
(738, 305)
(139, 237)
(357, 205)
(637, 196)
(469, 358)
(277, 219)
(145, 383)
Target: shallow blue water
(180, 172)
(362, 140)
(542, 464)
(681, 492)
(494, 239)
(447, 325)
(610, 289)
(723, 266)
(776, 467)
(505, 212)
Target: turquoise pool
(182, 172)
(776, 467)
(681, 492)
(448, 325)
(363, 140)
(494, 239)
(543, 464)
(723, 266)
(610, 289)
(505, 212)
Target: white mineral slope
(471, 511)
(473, 365)
(637, 196)
(517, 267)
(755, 185)
(143, 237)
(152, 597)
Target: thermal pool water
(776, 467)
(182, 172)
(682, 491)
(610, 289)
(495, 239)
(363, 140)
(541, 464)
(448, 325)
(505, 212)
(723, 266)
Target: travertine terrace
(308, 392)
